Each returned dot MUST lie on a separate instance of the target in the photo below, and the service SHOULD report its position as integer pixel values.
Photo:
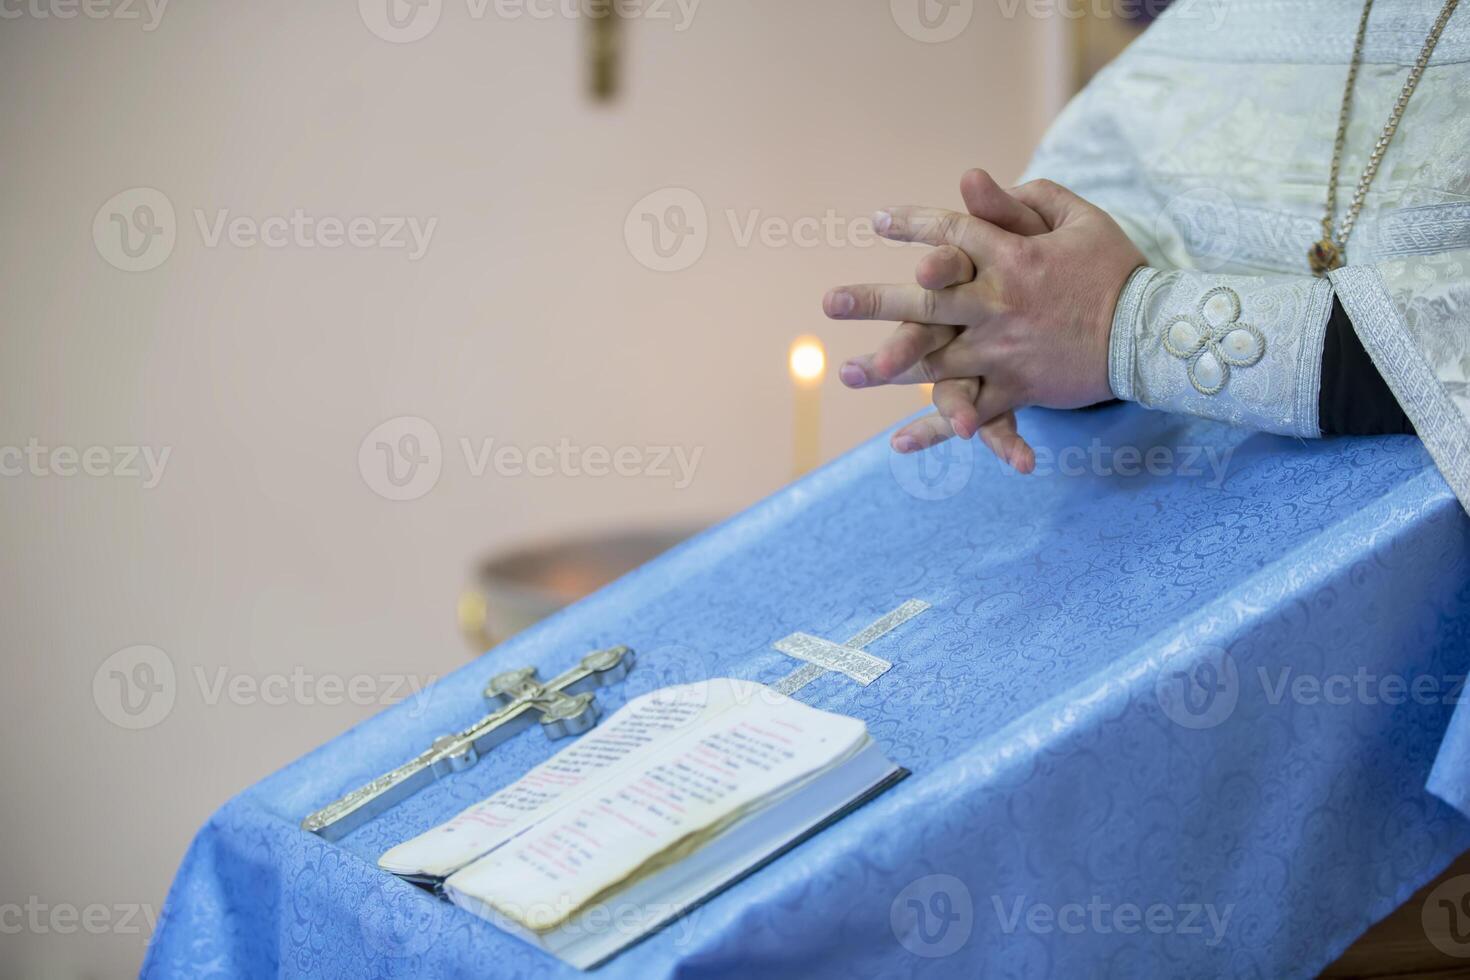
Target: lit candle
(808, 362)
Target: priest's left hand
(1031, 328)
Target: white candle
(808, 363)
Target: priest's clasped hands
(1013, 307)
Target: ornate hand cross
(564, 706)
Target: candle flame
(808, 359)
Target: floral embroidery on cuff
(1212, 340)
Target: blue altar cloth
(1165, 719)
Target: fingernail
(882, 221)
(852, 375)
(906, 444)
(841, 303)
(961, 429)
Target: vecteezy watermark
(632, 921)
(143, 463)
(39, 917)
(302, 687)
(149, 12)
(937, 21)
(1363, 687)
(138, 687)
(669, 230)
(937, 473)
(1100, 917)
(401, 21)
(567, 459)
(408, 922)
(136, 230)
(1100, 459)
(1133, 10)
(306, 231)
(403, 458)
(932, 21)
(135, 687)
(1200, 686)
(944, 470)
(406, 21)
(933, 916)
(1203, 225)
(402, 922)
(1197, 686)
(1446, 917)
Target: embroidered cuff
(1242, 349)
(1120, 344)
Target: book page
(599, 755)
(658, 811)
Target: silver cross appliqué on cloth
(847, 658)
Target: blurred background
(339, 339)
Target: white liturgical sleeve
(1210, 141)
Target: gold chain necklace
(1328, 254)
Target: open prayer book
(676, 796)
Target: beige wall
(263, 550)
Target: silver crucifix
(847, 658)
(564, 705)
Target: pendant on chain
(1324, 257)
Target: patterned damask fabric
(1103, 710)
(1210, 140)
